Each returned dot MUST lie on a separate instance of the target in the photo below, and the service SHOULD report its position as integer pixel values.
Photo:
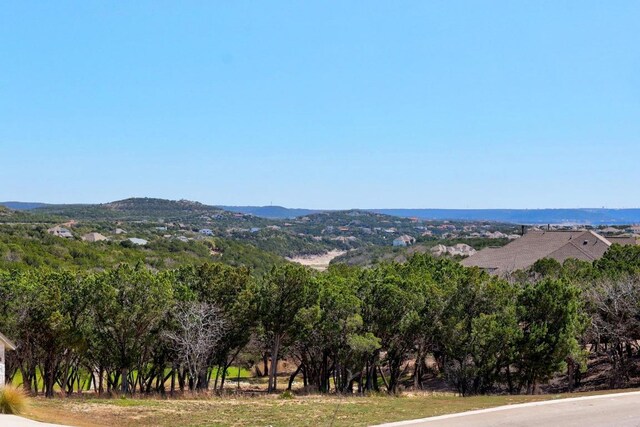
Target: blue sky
(327, 104)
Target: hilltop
(10, 215)
(145, 208)
(5, 211)
(133, 209)
(316, 233)
(22, 206)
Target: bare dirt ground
(318, 262)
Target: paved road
(13, 421)
(620, 410)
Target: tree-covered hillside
(135, 209)
(24, 247)
(163, 221)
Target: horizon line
(324, 209)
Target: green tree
(330, 337)
(283, 293)
(551, 319)
(232, 291)
(131, 303)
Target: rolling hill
(273, 212)
(150, 208)
(134, 209)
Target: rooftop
(522, 253)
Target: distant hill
(22, 206)
(133, 209)
(150, 208)
(273, 212)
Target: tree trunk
(273, 371)
(125, 381)
(291, 377)
(265, 364)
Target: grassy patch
(263, 410)
(12, 400)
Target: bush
(287, 394)
(12, 400)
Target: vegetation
(252, 411)
(159, 220)
(348, 330)
(13, 401)
(30, 246)
(370, 255)
(187, 311)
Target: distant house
(120, 231)
(254, 229)
(138, 242)
(344, 239)
(624, 240)
(459, 249)
(60, 232)
(183, 239)
(206, 232)
(404, 240)
(94, 237)
(610, 230)
(5, 344)
(522, 253)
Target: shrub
(287, 394)
(12, 400)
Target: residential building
(60, 232)
(94, 237)
(5, 345)
(522, 253)
(138, 242)
(404, 240)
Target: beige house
(94, 237)
(404, 240)
(522, 253)
(5, 344)
(60, 232)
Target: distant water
(517, 216)
(525, 216)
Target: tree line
(347, 330)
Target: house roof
(93, 237)
(522, 253)
(623, 240)
(137, 241)
(7, 343)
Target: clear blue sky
(327, 104)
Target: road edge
(504, 408)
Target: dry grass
(12, 400)
(314, 411)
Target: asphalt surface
(620, 410)
(13, 421)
